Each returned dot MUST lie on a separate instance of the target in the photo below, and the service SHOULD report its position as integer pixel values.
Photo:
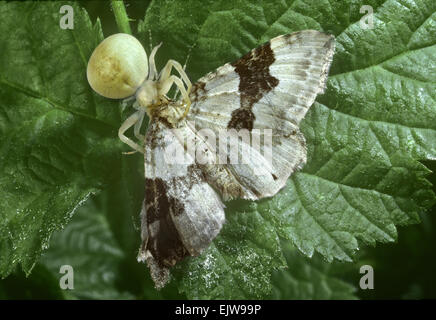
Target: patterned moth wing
(271, 87)
(181, 212)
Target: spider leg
(166, 71)
(166, 85)
(138, 125)
(130, 121)
(125, 102)
(184, 68)
(152, 64)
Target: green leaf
(88, 245)
(54, 131)
(412, 259)
(309, 278)
(364, 136)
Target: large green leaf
(88, 245)
(54, 131)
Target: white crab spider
(118, 69)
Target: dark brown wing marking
(163, 240)
(255, 82)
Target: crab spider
(118, 68)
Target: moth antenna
(187, 57)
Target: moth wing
(181, 213)
(271, 87)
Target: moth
(265, 94)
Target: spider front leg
(166, 71)
(165, 86)
(130, 122)
(152, 64)
(165, 74)
(125, 102)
